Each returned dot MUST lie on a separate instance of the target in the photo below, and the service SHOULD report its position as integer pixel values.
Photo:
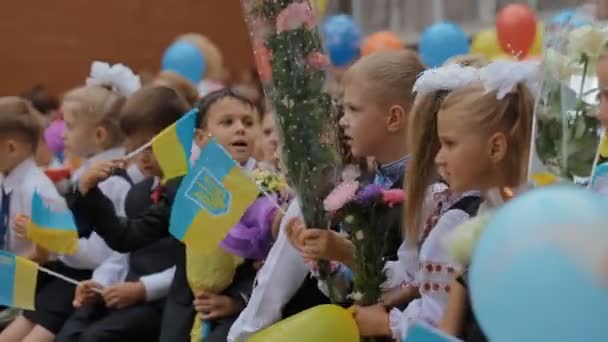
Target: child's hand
(372, 321)
(97, 173)
(294, 229)
(124, 295)
(397, 296)
(20, 226)
(212, 306)
(85, 294)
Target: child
(377, 99)
(134, 285)
(425, 268)
(92, 132)
(232, 120)
(489, 122)
(269, 143)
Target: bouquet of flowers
(361, 211)
(291, 64)
(567, 133)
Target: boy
(133, 286)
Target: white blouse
(435, 269)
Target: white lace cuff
(399, 322)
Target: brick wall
(54, 42)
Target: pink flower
(342, 194)
(317, 60)
(392, 197)
(295, 16)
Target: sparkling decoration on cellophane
(291, 63)
(567, 132)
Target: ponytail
(521, 108)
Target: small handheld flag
(425, 333)
(211, 199)
(18, 278)
(52, 226)
(173, 145)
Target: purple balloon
(53, 136)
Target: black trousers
(96, 323)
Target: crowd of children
(456, 138)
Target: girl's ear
(396, 119)
(101, 136)
(11, 146)
(497, 147)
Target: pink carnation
(294, 16)
(342, 194)
(392, 197)
(317, 60)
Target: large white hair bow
(447, 77)
(503, 76)
(118, 77)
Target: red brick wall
(54, 42)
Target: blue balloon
(185, 59)
(569, 17)
(342, 39)
(441, 41)
(537, 273)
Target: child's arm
(157, 285)
(452, 322)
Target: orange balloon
(516, 29)
(381, 41)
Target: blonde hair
(214, 60)
(387, 75)
(184, 88)
(513, 115)
(18, 116)
(99, 106)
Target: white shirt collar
(18, 175)
(250, 164)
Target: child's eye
(227, 122)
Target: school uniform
(54, 296)
(129, 235)
(153, 266)
(284, 286)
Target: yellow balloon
(503, 57)
(486, 43)
(323, 323)
(537, 48)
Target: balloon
(342, 39)
(486, 43)
(323, 323)
(537, 46)
(569, 17)
(381, 41)
(540, 270)
(441, 41)
(186, 59)
(516, 29)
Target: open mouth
(240, 144)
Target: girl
(425, 267)
(377, 100)
(92, 132)
(490, 122)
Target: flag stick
(139, 150)
(64, 278)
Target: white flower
(557, 65)
(359, 235)
(288, 102)
(588, 40)
(448, 77)
(349, 219)
(356, 296)
(350, 173)
(118, 77)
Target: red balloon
(516, 29)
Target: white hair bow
(118, 77)
(503, 76)
(447, 77)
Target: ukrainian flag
(173, 145)
(211, 199)
(17, 281)
(52, 226)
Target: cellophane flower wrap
(291, 64)
(567, 134)
(362, 211)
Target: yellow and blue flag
(52, 226)
(172, 146)
(18, 278)
(420, 332)
(211, 199)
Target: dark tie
(4, 216)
